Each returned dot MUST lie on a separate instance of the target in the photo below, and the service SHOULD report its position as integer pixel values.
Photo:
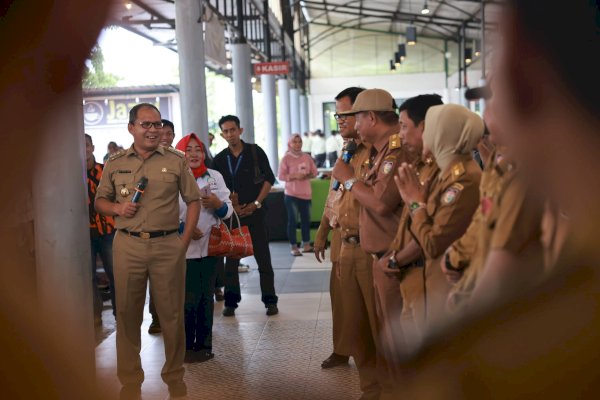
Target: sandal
(296, 252)
(309, 249)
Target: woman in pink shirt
(296, 169)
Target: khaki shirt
(377, 231)
(347, 208)
(510, 219)
(168, 175)
(452, 200)
(329, 222)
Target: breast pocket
(163, 183)
(124, 187)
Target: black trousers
(200, 277)
(260, 241)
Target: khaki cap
(372, 100)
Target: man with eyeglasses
(147, 245)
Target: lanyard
(233, 171)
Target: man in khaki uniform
(381, 204)
(147, 245)
(440, 210)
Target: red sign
(272, 68)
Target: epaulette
(458, 170)
(176, 151)
(395, 142)
(118, 154)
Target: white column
(192, 84)
(283, 89)
(295, 110)
(270, 115)
(303, 114)
(62, 244)
(482, 82)
(242, 75)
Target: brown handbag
(229, 242)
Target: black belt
(148, 235)
(352, 239)
(418, 263)
(377, 256)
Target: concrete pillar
(283, 89)
(295, 110)
(192, 80)
(62, 244)
(303, 114)
(242, 75)
(270, 114)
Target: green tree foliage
(94, 76)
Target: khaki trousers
(359, 318)
(340, 346)
(424, 294)
(388, 302)
(163, 261)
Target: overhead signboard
(112, 111)
(272, 68)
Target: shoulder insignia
(118, 154)
(395, 142)
(175, 151)
(458, 170)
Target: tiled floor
(256, 357)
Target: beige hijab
(451, 129)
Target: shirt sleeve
(188, 187)
(263, 163)
(313, 166)
(284, 170)
(223, 193)
(462, 250)
(519, 219)
(106, 188)
(449, 220)
(384, 188)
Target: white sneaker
(243, 268)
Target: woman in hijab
(201, 268)
(441, 208)
(296, 169)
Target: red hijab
(182, 145)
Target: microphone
(347, 154)
(139, 189)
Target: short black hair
(351, 92)
(557, 32)
(168, 123)
(89, 137)
(387, 117)
(416, 107)
(227, 118)
(134, 111)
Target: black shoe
(272, 309)
(154, 327)
(219, 294)
(334, 360)
(190, 356)
(130, 392)
(178, 389)
(228, 312)
(204, 355)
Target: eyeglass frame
(342, 117)
(152, 124)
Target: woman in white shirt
(201, 271)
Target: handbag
(230, 242)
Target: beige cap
(372, 100)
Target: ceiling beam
(151, 11)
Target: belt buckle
(374, 256)
(145, 235)
(352, 240)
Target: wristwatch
(257, 204)
(415, 205)
(349, 183)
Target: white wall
(400, 86)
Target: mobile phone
(205, 191)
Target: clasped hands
(409, 186)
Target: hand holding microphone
(347, 154)
(128, 210)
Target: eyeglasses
(342, 117)
(149, 124)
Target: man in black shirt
(245, 168)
